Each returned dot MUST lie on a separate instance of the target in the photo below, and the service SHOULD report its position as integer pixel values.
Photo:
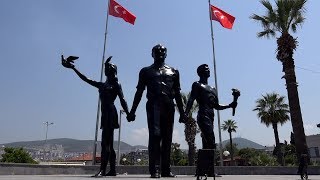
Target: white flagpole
(101, 78)
(216, 84)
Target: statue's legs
(167, 119)
(205, 123)
(208, 144)
(112, 157)
(107, 151)
(160, 123)
(153, 116)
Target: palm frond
(298, 21)
(229, 125)
(271, 108)
(266, 33)
(286, 15)
(267, 5)
(262, 20)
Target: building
(313, 143)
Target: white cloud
(310, 129)
(178, 137)
(139, 136)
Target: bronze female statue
(108, 92)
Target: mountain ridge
(243, 143)
(73, 145)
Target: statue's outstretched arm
(85, 79)
(68, 63)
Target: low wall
(35, 169)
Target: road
(137, 177)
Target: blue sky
(35, 87)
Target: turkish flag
(225, 19)
(116, 10)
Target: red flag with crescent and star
(225, 19)
(116, 10)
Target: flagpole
(216, 83)
(94, 154)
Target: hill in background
(243, 143)
(73, 145)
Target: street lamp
(47, 125)
(318, 125)
(45, 142)
(124, 161)
(118, 159)
(138, 161)
(226, 153)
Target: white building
(313, 143)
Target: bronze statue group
(163, 87)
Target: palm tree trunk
(276, 133)
(278, 147)
(231, 148)
(295, 111)
(292, 88)
(191, 154)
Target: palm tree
(285, 17)
(191, 129)
(230, 126)
(273, 110)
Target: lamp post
(45, 142)
(226, 154)
(124, 161)
(47, 127)
(118, 159)
(138, 161)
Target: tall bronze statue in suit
(163, 85)
(108, 92)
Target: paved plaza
(137, 177)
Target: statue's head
(110, 69)
(159, 53)
(203, 71)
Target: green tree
(263, 159)
(234, 149)
(191, 129)
(178, 158)
(16, 155)
(230, 126)
(247, 154)
(257, 158)
(290, 157)
(272, 110)
(126, 159)
(284, 18)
